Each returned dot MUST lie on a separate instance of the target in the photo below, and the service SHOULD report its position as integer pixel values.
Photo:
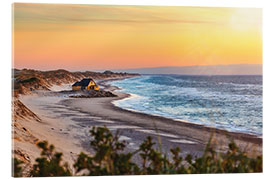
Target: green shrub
(16, 167)
(109, 159)
(49, 164)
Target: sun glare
(246, 19)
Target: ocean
(233, 103)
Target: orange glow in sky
(90, 37)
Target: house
(86, 83)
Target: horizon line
(131, 68)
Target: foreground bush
(109, 159)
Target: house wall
(91, 85)
(76, 87)
(96, 87)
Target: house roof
(76, 84)
(83, 82)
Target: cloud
(79, 14)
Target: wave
(196, 100)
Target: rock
(93, 94)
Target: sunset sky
(92, 37)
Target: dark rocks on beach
(94, 94)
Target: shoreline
(71, 118)
(127, 95)
(182, 120)
(49, 121)
(184, 130)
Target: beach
(136, 90)
(65, 122)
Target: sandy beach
(192, 138)
(159, 78)
(66, 123)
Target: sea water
(233, 103)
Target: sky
(93, 37)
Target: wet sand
(192, 138)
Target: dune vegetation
(109, 159)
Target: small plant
(49, 164)
(234, 161)
(109, 159)
(16, 167)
